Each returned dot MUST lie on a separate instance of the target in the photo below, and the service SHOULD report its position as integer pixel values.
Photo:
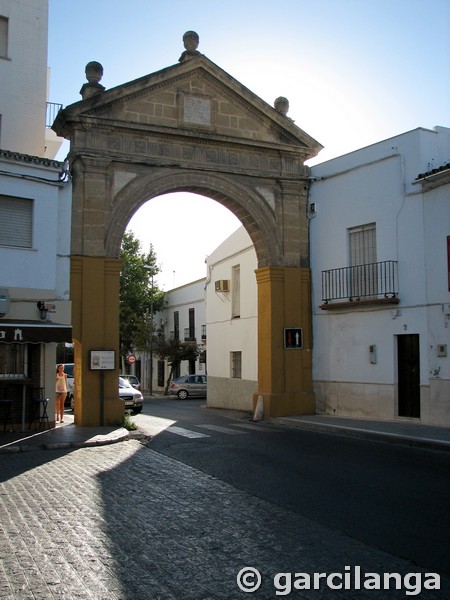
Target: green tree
(174, 351)
(140, 297)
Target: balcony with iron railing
(373, 283)
(52, 110)
(189, 334)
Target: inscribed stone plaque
(197, 110)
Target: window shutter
(16, 216)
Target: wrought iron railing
(372, 281)
(189, 334)
(52, 110)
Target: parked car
(188, 385)
(133, 380)
(133, 398)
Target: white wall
(181, 299)
(24, 98)
(226, 334)
(377, 185)
(46, 266)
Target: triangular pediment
(193, 98)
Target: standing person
(61, 392)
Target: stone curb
(119, 435)
(358, 433)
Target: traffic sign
(131, 359)
(293, 338)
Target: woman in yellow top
(61, 392)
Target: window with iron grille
(13, 360)
(236, 365)
(16, 220)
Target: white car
(132, 397)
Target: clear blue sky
(355, 72)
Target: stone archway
(190, 127)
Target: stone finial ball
(191, 40)
(281, 105)
(94, 72)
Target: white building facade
(380, 260)
(35, 214)
(184, 319)
(379, 235)
(232, 324)
(25, 79)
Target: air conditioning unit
(4, 302)
(222, 285)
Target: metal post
(151, 343)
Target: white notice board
(102, 360)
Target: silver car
(188, 385)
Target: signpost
(102, 360)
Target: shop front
(27, 370)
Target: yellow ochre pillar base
(284, 373)
(95, 284)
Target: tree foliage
(174, 351)
(140, 297)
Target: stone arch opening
(246, 204)
(190, 127)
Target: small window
(236, 292)
(236, 365)
(16, 216)
(13, 360)
(3, 37)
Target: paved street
(124, 521)
(390, 496)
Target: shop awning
(33, 332)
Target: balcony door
(408, 358)
(363, 257)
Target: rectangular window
(236, 292)
(236, 365)
(3, 37)
(363, 257)
(176, 325)
(16, 219)
(161, 373)
(13, 360)
(192, 324)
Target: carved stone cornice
(28, 159)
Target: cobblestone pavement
(124, 522)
